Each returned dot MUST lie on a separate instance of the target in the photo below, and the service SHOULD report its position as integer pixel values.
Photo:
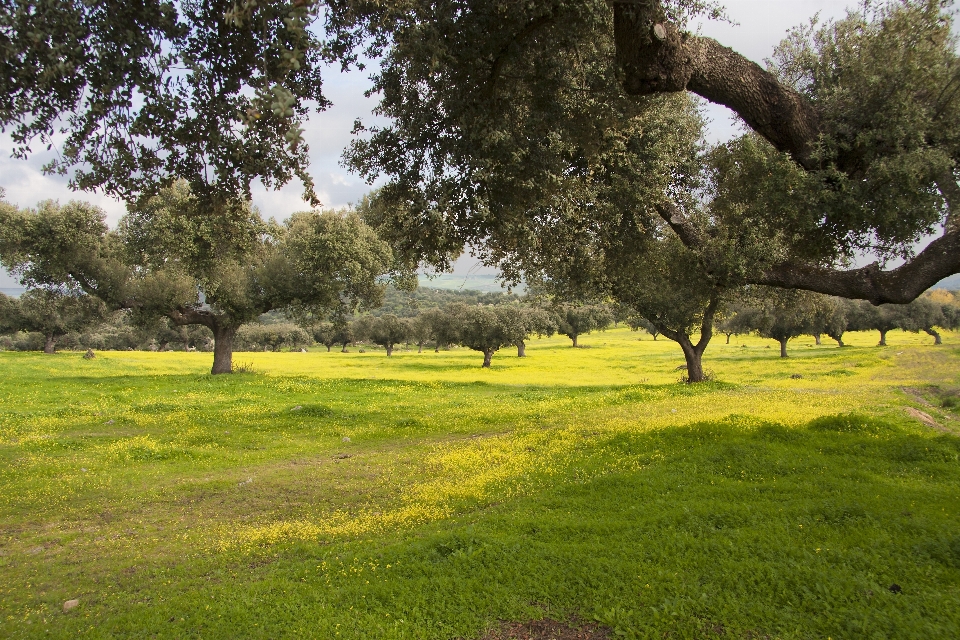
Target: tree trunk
(223, 349)
(783, 347)
(344, 350)
(936, 335)
(521, 349)
(838, 338)
(883, 338)
(728, 337)
(816, 338)
(328, 348)
(694, 359)
(50, 346)
(419, 347)
(389, 348)
(487, 357)
(574, 338)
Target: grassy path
(338, 495)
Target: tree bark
(838, 337)
(389, 349)
(521, 349)
(419, 347)
(223, 336)
(344, 350)
(936, 335)
(693, 358)
(50, 344)
(783, 348)
(574, 338)
(656, 57)
(728, 338)
(487, 357)
(816, 338)
(328, 348)
(883, 338)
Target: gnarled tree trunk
(838, 337)
(389, 349)
(816, 338)
(521, 349)
(783, 347)
(223, 336)
(936, 335)
(694, 358)
(487, 357)
(574, 338)
(693, 353)
(883, 338)
(50, 344)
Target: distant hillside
(952, 283)
(487, 283)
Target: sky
(757, 26)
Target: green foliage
(148, 93)
(273, 337)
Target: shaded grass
(557, 484)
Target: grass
(350, 495)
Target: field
(333, 495)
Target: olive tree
(167, 259)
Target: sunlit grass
(421, 496)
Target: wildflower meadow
(352, 495)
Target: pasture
(333, 495)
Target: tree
(786, 314)
(638, 322)
(531, 320)
(168, 259)
(830, 318)
(388, 331)
(923, 314)
(52, 313)
(884, 318)
(488, 328)
(444, 325)
(326, 334)
(576, 320)
(740, 318)
(668, 288)
(420, 330)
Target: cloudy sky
(758, 25)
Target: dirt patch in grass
(547, 629)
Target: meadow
(331, 495)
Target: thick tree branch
(940, 259)
(187, 315)
(656, 57)
(706, 326)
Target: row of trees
(783, 315)
(483, 328)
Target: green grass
(350, 495)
